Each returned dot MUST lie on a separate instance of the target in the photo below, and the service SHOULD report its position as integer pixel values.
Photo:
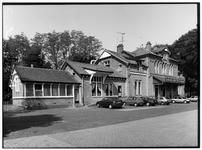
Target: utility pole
(122, 36)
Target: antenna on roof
(122, 36)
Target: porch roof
(167, 79)
(81, 68)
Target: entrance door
(76, 94)
(156, 90)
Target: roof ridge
(39, 68)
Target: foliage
(47, 50)
(186, 49)
(84, 48)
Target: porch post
(73, 96)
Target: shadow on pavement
(11, 123)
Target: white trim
(143, 74)
(44, 97)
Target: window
(38, 89)
(96, 86)
(107, 63)
(120, 67)
(17, 84)
(29, 90)
(165, 56)
(46, 90)
(165, 72)
(135, 87)
(54, 90)
(163, 68)
(138, 87)
(62, 90)
(120, 91)
(69, 90)
(108, 89)
(138, 67)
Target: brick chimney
(120, 48)
(148, 46)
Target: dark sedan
(149, 101)
(135, 101)
(110, 102)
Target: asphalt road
(50, 121)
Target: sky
(157, 23)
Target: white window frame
(96, 82)
(38, 90)
(51, 94)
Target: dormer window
(107, 63)
(165, 56)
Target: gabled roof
(28, 74)
(142, 51)
(80, 69)
(127, 58)
(159, 49)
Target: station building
(144, 72)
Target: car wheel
(135, 104)
(147, 104)
(110, 106)
(185, 102)
(98, 105)
(173, 102)
(162, 103)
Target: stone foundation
(43, 103)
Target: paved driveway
(174, 130)
(43, 122)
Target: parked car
(180, 99)
(148, 101)
(163, 101)
(193, 98)
(135, 101)
(110, 102)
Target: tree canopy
(47, 50)
(186, 51)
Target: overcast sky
(157, 23)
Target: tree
(56, 46)
(14, 50)
(84, 48)
(185, 49)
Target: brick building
(145, 71)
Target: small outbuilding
(43, 88)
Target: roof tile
(44, 75)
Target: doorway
(76, 94)
(156, 91)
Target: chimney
(120, 48)
(148, 46)
(32, 66)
